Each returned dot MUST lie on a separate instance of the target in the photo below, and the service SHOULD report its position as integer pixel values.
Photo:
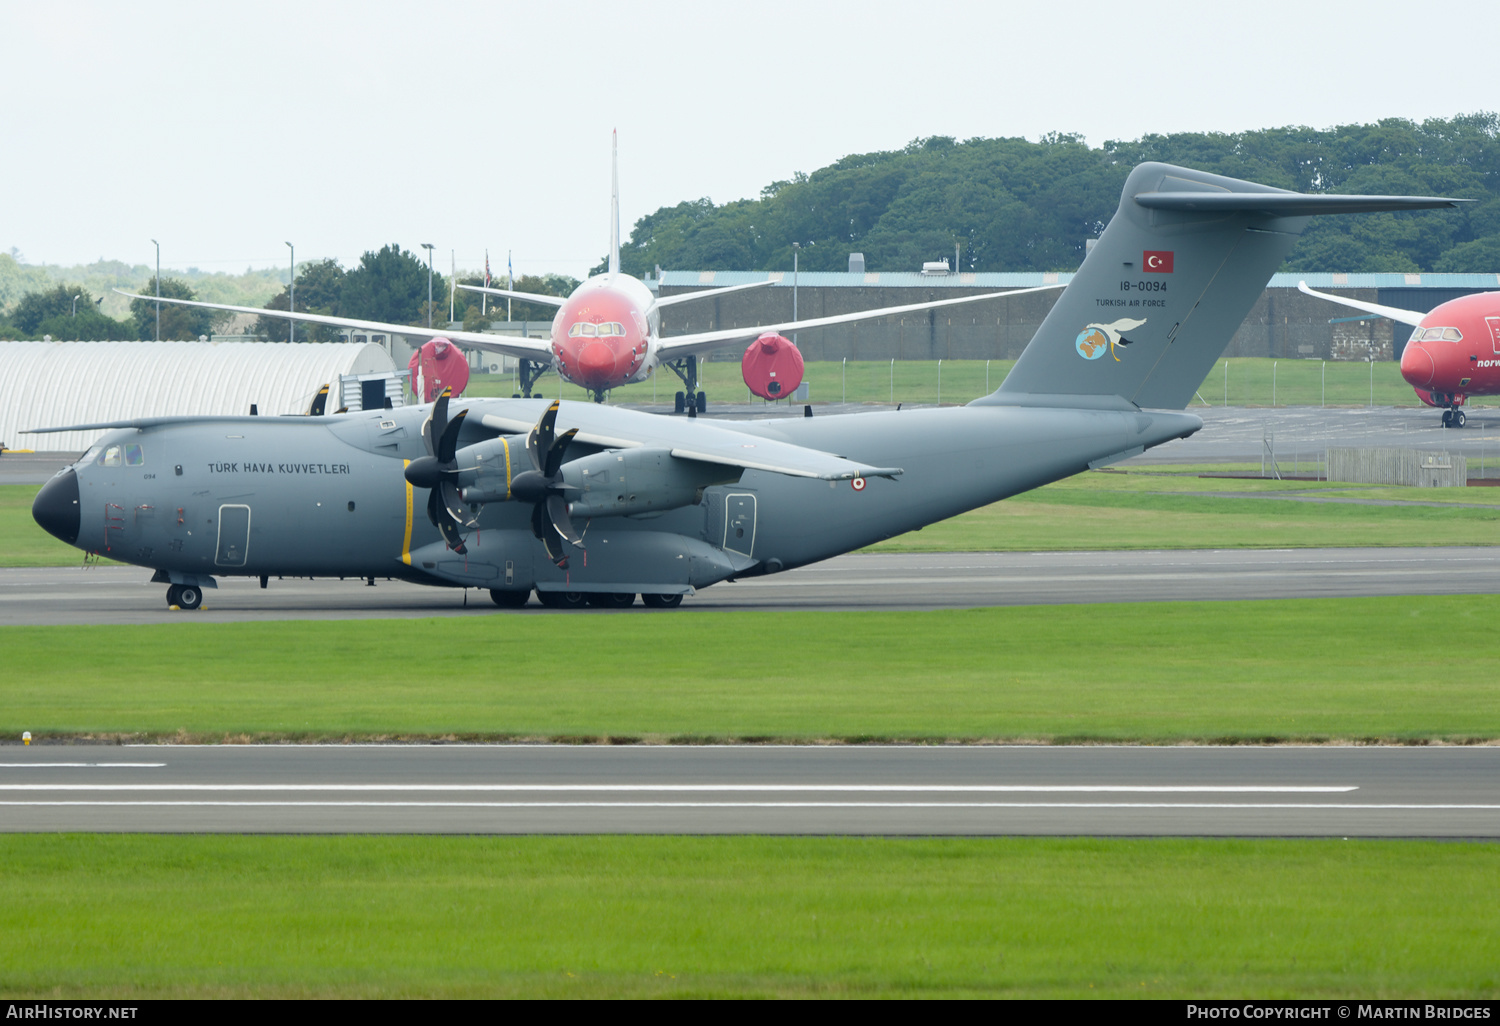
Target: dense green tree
(320, 290)
(178, 323)
(1014, 205)
(55, 312)
(391, 285)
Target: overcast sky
(224, 129)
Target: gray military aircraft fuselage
(576, 500)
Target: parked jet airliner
(1453, 352)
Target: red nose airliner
(1453, 352)
(608, 332)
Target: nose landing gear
(1454, 418)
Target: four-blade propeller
(543, 485)
(439, 471)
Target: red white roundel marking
(858, 484)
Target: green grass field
(415, 917)
(1147, 672)
(1249, 382)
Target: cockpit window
(134, 457)
(129, 455)
(92, 454)
(1440, 335)
(606, 329)
(113, 456)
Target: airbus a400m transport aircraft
(608, 333)
(1453, 352)
(581, 502)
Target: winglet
(614, 203)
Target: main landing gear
(580, 599)
(185, 596)
(528, 371)
(692, 401)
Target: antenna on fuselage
(614, 205)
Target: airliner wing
(1412, 317)
(525, 348)
(704, 341)
(688, 297)
(528, 297)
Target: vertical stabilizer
(614, 203)
(1164, 289)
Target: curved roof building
(53, 384)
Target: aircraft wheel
(662, 601)
(562, 599)
(515, 395)
(172, 595)
(1460, 418)
(1447, 418)
(612, 600)
(702, 403)
(509, 599)
(679, 404)
(189, 596)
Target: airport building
(1283, 324)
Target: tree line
(1014, 205)
(389, 284)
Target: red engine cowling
(772, 366)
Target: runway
(884, 790)
(893, 581)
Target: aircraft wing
(611, 428)
(529, 297)
(688, 297)
(539, 349)
(704, 341)
(1412, 317)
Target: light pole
(291, 301)
(75, 304)
(158, 288)
(796, 251)
(428, 247)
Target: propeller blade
(448, 441)
(541, 437)
(548, 537)
(562, 522)
(445, 525)
(555, 454)
(453, 504)
(436, 422)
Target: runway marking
(1314, 806)
(77, 765)
(929, 788)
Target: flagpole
(452, 279)
(484, 298)
(510, 274)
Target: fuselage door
(739, 523)
(1494, 326)
(234, 536)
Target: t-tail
(614, 203)
(1166, 286)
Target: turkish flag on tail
(1157, 261)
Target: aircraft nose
(596, 361)
(56, 507)
(1417, 366)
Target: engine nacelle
(772, 366)
(626, 481)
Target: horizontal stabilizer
(1289, 204)
(688, 297)
(525, 297)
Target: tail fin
(1166, 286)
(614, 205)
